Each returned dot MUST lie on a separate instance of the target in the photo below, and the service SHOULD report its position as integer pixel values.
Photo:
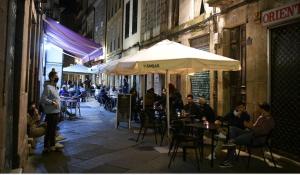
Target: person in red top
(261, 127)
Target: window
(116, 6)
(175, 14)
(134, 16)
(112, 9)
(110, 49)
(202, 9)
(127, 11)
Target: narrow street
(93, 145)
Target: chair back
(263, 140)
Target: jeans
(52, 120)
(239, 137)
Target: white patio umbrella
(77, 69)
(170, 57)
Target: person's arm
(45, 96)
(248, 124)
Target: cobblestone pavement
(93, 145)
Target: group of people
(177, 108)
(243, 129)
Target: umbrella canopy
(170, 57)
(77, 69)
(176, 58)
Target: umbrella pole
(167, 79)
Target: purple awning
(70, 41)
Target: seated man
(236, 119)
(191, 108)
(63, 91)
(35, 128)
(206, 112)
(262, 126)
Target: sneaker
(221, 136)
(209, 157)
(58, 146)
(226, 164)
(46, 150)
(59, 138)
(52, 148)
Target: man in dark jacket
(238, 116)
(191, 108)
(206, 112)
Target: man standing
(51, 103)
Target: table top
(209, 126)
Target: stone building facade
(19, 69)
(114, 37)
(264, 36)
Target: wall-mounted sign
(281, 14)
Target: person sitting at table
(191, 108)
(254, 132)
(238, 116)
(206, 112)
(35, 128)
(71, 90)
(175, 99)
(134, 107)
(103, 95)
(63, 91)
(150, 99)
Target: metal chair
(254, 145)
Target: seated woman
(35, 128)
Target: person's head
(264, 108)
(164, 91)
(151, 90)
(171, 88)
(32, 108)
(53, 77)
(241, 107)
(202, 101)
(190, 98)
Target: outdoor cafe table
(211, 127)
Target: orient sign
(281, 14)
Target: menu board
(123, 109)
(200, 85)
